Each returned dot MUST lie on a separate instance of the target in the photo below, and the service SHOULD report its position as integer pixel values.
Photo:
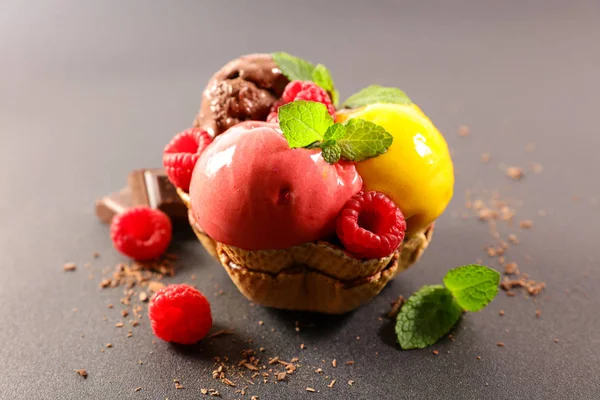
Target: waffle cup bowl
(314, 276)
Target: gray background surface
(90, 90)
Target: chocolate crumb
(536, 168)
(137, 389)
(250, 366)
(69, 267)
(218, 334)
(500, 344)
(511, 268)
(331, 384)
(82, 372)
(515, 173)
(535, 289)
(396, 306)
(228, 382)
(538, 313)
(155, 286)
(435, 352)
(526, 224)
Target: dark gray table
(91, 91)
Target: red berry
(141, 233)
(179, 314)
(181, 154)
(301, 90)
(371, 225)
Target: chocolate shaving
(219, 334)
(82, 372)
(396, 306)
(69, 267)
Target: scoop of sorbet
(250, 190)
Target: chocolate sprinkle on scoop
(244, 89)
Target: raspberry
(141, 233)
(179, 314)
(181, 154)
(371, 225)
(301, 90)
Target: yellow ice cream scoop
(416, 171)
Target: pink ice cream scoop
(250, 190)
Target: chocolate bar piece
(152, 188)
(113, 204)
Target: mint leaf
(473, 286)
(376, 94)
(427, 316)
(335, 132)
(322, 77)
(294, 68)
(331, 152)
(304, 122)
(363, 140)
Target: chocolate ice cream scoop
(244, 89)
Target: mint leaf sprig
(376, 94)
(296, 69)
(309, 124)
(432, 311)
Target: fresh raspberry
(181, 154)
(179, 314)
(371, 225)
(301, 90)
(141, 233)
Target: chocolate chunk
(147, 187)
(113, 204)
(152, 188)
